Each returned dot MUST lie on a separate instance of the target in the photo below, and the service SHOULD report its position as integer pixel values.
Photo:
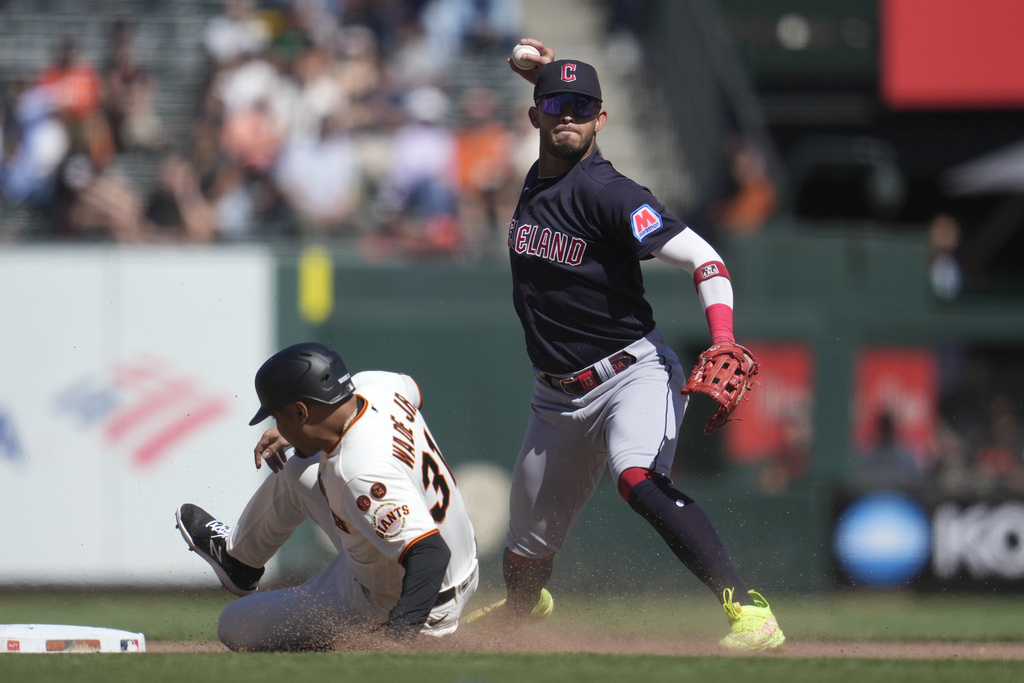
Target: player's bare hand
(270, 450)
(547, 55)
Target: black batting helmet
(303, 371)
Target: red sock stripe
(630, 478)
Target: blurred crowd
(974, 452)
(355, 120)
(321, 118)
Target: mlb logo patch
(708, 270)
(644, 221)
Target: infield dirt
(548, 641)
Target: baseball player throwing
(368, 472)
(609, 392)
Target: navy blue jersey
(575, 244)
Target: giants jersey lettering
(388, 486)
(575, 246)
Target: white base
(49, 638)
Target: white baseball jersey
(388, 486)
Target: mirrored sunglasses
(582, 106)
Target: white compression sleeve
(688, 251)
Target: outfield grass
(178, 615)
(863, 617)
(486, 668)
(858, 616)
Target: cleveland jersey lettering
(533, 240)
(575, 244)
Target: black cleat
(207, 537)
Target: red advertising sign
(777, 414)
(900, 383)
(940, 54)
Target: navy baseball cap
(567, 76)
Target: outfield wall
(124, 378)
(111, 349)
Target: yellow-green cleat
(752, 627)
(492, 614)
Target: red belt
(585, 380)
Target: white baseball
(519, 51)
